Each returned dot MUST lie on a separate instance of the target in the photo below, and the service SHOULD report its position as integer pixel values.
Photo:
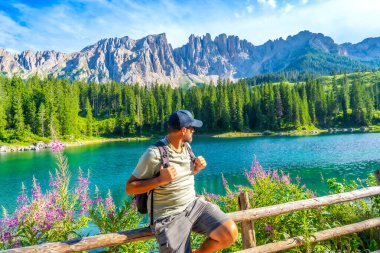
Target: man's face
(188, 137)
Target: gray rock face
(152, 59)
(143, 61)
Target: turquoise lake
(347, 156)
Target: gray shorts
(173, 232)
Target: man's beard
(189, 140)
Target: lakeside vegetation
(65, 209)
(80, 111)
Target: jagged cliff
(152, 59)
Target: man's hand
(167, 174)
(200, 164)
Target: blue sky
(68, 26)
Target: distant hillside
(203, 59)
(295, 76)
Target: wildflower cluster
(60, 212)
(272, 187)
(109, 218)
(57, 146)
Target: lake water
(348, 155)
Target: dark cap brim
(196, 123)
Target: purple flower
(268, 228)
(57, 146)
(36, 190)
(22, 198)
(224, 181)
(16, 244)
(275, 175)
(212, 196)
(298, 179)
(256, 167)
(110, 205)
(99, 199)
(6, 236)
(285, 179)
(48, 225)
(11, 222)
(250, 177)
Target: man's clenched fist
(167, 174)
(200, 163)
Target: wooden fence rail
(316, 237)
(244, 216)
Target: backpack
(142, 199)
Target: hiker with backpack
(163, 182)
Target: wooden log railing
(244, 216)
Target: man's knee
(227, 233)
(232, 231)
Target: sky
(69, 26)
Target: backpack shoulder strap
(163, 152)
(165, 163)
(192, 156)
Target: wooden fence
(246, 217)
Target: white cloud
(271, 3)
(304, 1)
(249, 9)
(288, 7)
(68, 28)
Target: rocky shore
(42, 145)
(34, 147)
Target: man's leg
(173, 234)
(216, 225)
(220, 238)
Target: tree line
(31, 109)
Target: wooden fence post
(247, 230)
(377, 175)
(376, 233)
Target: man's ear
(183, 130)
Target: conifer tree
(41, 115)
(88, 118)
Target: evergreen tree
(3, 119)
(357, 104)
(279, 107)
(41, 122)
(88, 118)
(17, 112)
(345, 98)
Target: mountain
(152, 59)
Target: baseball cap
(183, 118)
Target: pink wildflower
(5, 237)
(275, 175)
(110, 205)
(285, 179)
(99, 199)
(11, 222)
(212, 196)
(36, 190)
(268, 228)
(57, 146)
(250, 177)
(225, 182)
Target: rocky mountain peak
(152, 58)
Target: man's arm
(138, 186)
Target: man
(176, 209)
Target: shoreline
(40, 145)
(87, 142)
